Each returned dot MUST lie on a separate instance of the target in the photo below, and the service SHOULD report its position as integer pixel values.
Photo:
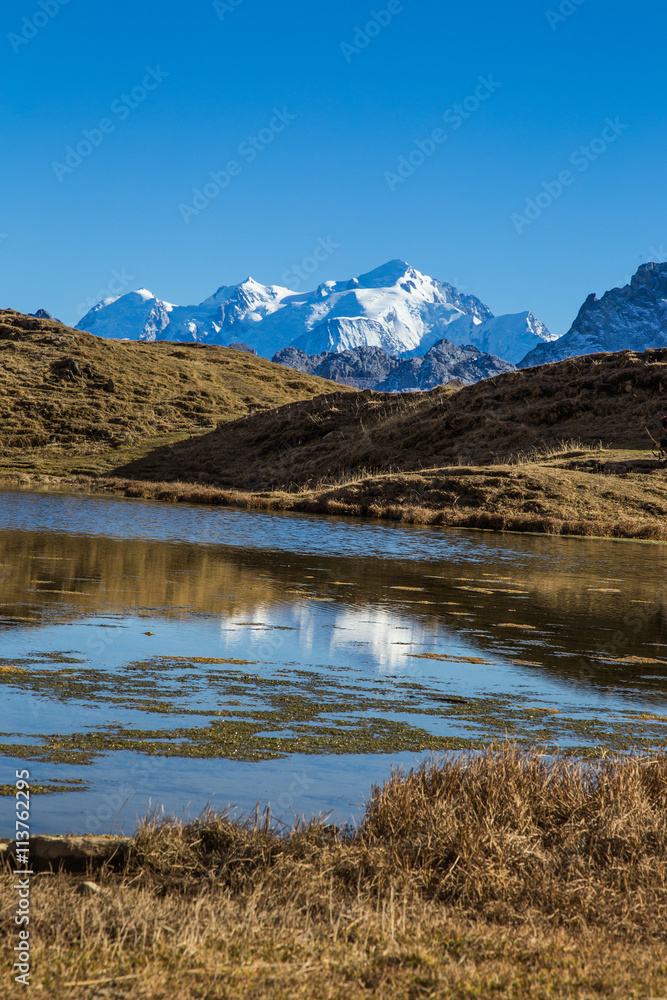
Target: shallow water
(179, 656)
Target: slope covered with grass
(71, 401)
(605, 398)
(505, 874)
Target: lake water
(158, 656)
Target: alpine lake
(174, 657)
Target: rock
(88, 889)
(75, 852)
(630, 318)
(67, 369)
(372, 368)
(42, 314)
(292, 357)
(444, 363)
(361, 367)
(243, 347)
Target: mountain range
(395, 308)
(373, 368)
(362, 331)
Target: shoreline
(370, 498)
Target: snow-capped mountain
(630, 318)
(395, 307)
(509, 337)
(141, 315)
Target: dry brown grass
(536, 442)
(606, 398)
(128, 397)
(507, 874)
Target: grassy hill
(72, 402)
(559, 449)
(604, 398)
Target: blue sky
(170, 93)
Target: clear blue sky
(64, 234)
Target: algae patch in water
(208, 707)
(49, 788)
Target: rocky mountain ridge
(394, 307)
(373, 368)
(633, 317)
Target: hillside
(72, 402)
(606, 398)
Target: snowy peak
(126, 315)
(510, 337)
(342, 334)
(394, 307)
(395, 272)
(633, 317)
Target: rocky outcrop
(373, 368)
(630, 318)
(71, 853)
(443, 363)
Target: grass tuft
(505, 873)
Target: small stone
(88, 889)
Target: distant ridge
(630, 318)
(373, 368)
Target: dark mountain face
(372, 368)
(630, 318)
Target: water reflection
(116, 617)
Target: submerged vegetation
(207, 712)
(501, 874)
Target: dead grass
(559, 449)
(507, 874)
(558, 496)
(520, 415)
(126, 398)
